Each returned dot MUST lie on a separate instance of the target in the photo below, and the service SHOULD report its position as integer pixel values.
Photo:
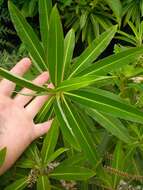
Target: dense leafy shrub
(96, 137)
(90, 18)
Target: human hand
(17, 129)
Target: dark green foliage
(88, 18)
(96, 138)
(8, 37)
(7, 32)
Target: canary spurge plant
(78, 95)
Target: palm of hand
(17, 129)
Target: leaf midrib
(110, 65)
(65, 120)
(108, 121)
(21, 185)
(66, 54)
(100, 44)
(86, 82)
(81, 97)
(31, 41)
(79, 129)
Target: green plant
(8, 60)
(130, 76)
(133, 10)
(5, 29)
(90, 18)
(135, 37)
(8, 37)
(77, 99)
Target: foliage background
(89, 19)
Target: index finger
(6, 86)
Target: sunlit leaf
(116, 61)
(107, 105)
(80, 132)
(55, 47)
(45, 8)
(80, 82)
(93, 51)
(69, 44)
(27, 36)
(65, 125)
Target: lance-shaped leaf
(18, 184)
(112, 125)
(106, 94)
(107, 105)
(33, 154)
(69, 44)
(26, 163)
(50, 142)
(21, 81)
(116, 7)
(80, 131)
(116, 61)
(117, 163)
(46, 111)
(27, 36)
(77, 159)
(80, 82)
(2, 156)
(93, 51)
(65, 125)
(45, 8)
(72, 173)
(43, 183)
(57, 153)
(55, 47)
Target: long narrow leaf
(43, 183)
(93, 51)
(57, 153)
(80, 82)
(117, 163)
(21, 81)
(82, 134)
(116, 61)
(72, 173)
(45, 8)
(55, 47)
(46, 111)
(69, 44)
(107, 105)
(112, 125)
(65, 125)
(75, 160)
(28, 36)
(18, 185)
(50, 142)
(116, 7)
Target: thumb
(41, 129)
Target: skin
(17, 128)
